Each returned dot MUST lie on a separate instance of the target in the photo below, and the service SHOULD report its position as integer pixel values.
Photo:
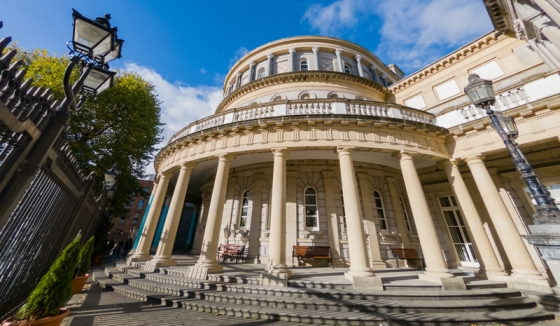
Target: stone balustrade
(308, 107)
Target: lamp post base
(546, 238)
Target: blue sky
(186, 47)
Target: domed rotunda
(310, 147)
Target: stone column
(251, 71)
(169, 232)
(214, 220)
(338, 53)
(376, 262)
(523, 267)
(277, 268)
(332, 217)
(269, 60)
(142, 252)
(359, 64)
(436, 269)
(489, 264)
(399, 213)
(316, 58)
(359, 266)
(291, 61)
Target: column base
(211, 266)
(138, 257)
(495, 275)
(529, 281)
(276, 275)
(447, 280)
(378, 264)
(151, 265)
(365, 282)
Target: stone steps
(326, 305)
(383, 306)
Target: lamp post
(481, 92)
(94, 44)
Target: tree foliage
(115, 131)
(55, 287)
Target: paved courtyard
(95, 306)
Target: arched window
(260, 73)
(311, 211)
(243, 210)
(277, 98)
(378, 201)
(347, 68)
(304, 96)
(303, 66)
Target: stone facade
(317, 142)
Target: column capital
(338, 51)
(474, 159)
(166, 174)
(405, 155)
(292, 50)
(315, 49)
(358, 58)
(239, 73)
(345, 150)
(252, 64)
(269, 56)
(224, 157)
(187, 165)
(279, 151)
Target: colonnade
(523, 267)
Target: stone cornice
(298, 76)
(277, 123)
(448, 60)
(501, 16)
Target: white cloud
(181, 104)
(331, 19)
(413, 33)
(416, 32)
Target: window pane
(450, 218)
(444, 202)
(453, 201)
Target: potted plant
(84, 264)
(43, 306)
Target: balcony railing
(307, 107)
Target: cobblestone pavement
(95, 306)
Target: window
(260, 73)
(304, 96)
(310, 201)
(244, 210)
(303, 66)
(343, 213)
(405, 213)
(277, 98)
(140, 203)
(378, 201)
(457, 230)
(347, 69)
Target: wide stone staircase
(311, 302)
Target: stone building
(318, 142)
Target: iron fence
(45, 199)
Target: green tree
(84, 258)
(116, 130)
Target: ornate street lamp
(481, 92)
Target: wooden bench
(407, 254)
(231, 251)
(312, 252)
